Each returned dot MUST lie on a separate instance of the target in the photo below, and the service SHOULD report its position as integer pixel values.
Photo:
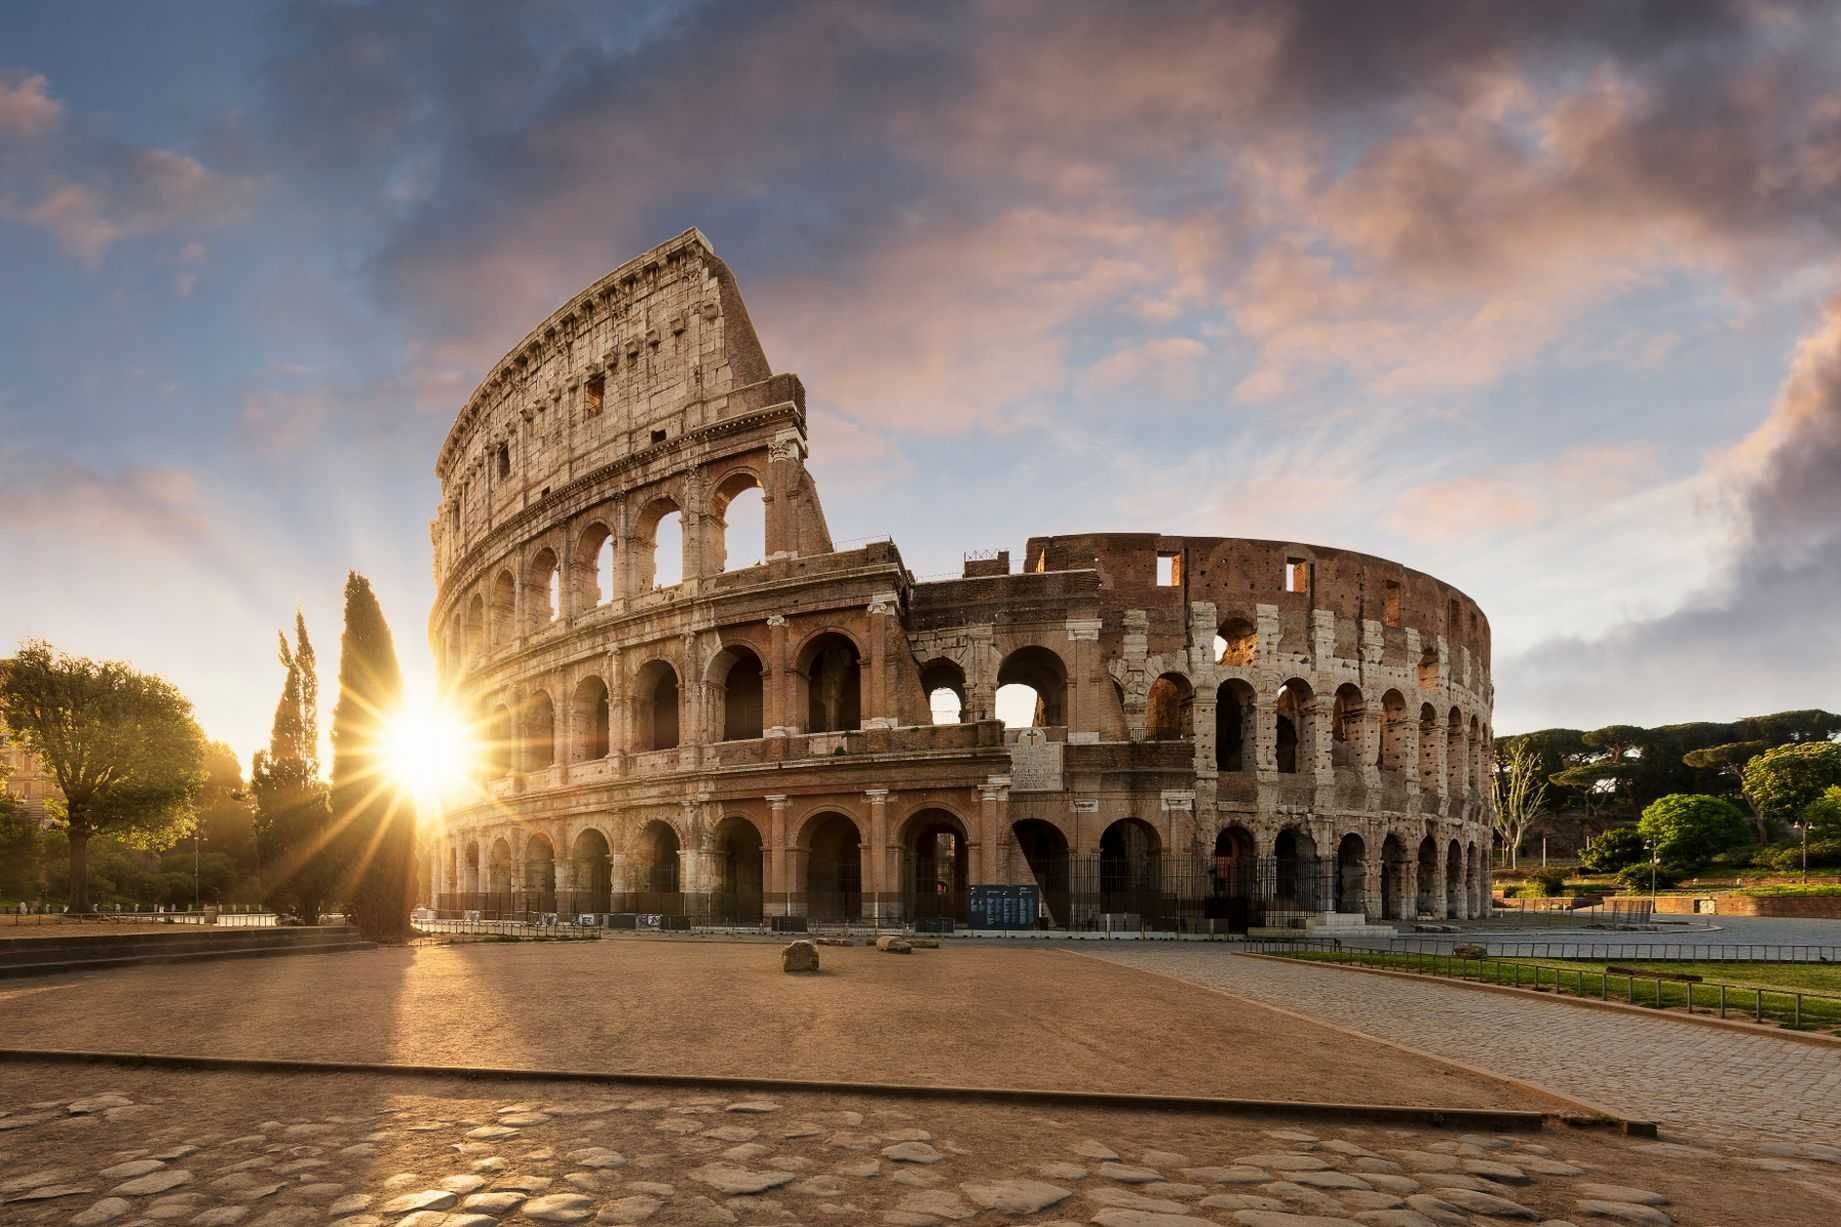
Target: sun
(429, 752)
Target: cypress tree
(293, 820)
(376, 821)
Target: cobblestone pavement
(133, 1148)
(1696, 1081)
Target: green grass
(1753, 990)
(1794, 890)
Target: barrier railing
(1655, 952)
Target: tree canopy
(293, 818)
(1690, 829)
(1781, 782)
(122, 745)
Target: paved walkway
(1695, 1080)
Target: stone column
(1322, 773)
(1083, 699)
(776, 692)
(1438, 880)
(785, 468)
(878, 707)
(777, 880)
(1372, 870)
(994, 798)
(880, 879)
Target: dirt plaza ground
(986, 1016)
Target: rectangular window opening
(504, 460)
(1297, 575)
(1390, 609)
(1169, 570)
(594, 395)
(658, 436)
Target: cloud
(1164, 362)
(1514, 497)
(27, 108)
(120, 512)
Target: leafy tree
(1780, 783)
(376, 821)
(293, 818)
(1688, 829)
(1521, 795)
(122, 745)
(1612, 850)
(1824, 814)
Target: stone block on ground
(894, 945)
(799, 958)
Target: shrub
(1824, 814)
(1635, 879)
(1544, 883)
(1688, 829)
(1612, 850)
(1823, 854)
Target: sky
(1544, 300)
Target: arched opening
(937, 860)
(1454, 754)
(471, 876)
(1476, 898)
(1426, 901)
(737, 694)
(1032, 689)
(738, 524)
(832, 676)
(504, 608)
(1295, 874)
(1236, 642)
(1429, 733)
(1347, 711)
(1454, 881)
(1475, 764)
(540, 591)
(498, 875)
(1393, 879)
(539, 875)
(1294, 739)
(476, 628)
(594, 566)
(944, 683)
(834, 870)
(1230, 878)
(1351, 875)
(590, 717)
(656, 868)
(539, 732)
(738, 872)
(657, 547)
(1169, 709)
(501, 741)
(1234, 704)
(655, 706)
(1428, 668)
(1045, 854)
(1131, 869)
(592, 869)
(1392, 754)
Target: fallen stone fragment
(1485, 1203)
(912, 1152)
(425, 1199)
(1618, 1192)
(1127, 1174)
(799, 958)
(730, 1178)
(558, 1208)
(1625, 1212)
(105, 1211)
(1015, 1196)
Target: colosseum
(1215, 734)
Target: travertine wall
(776, 716)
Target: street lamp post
(1802, 828)
(194, 867)
(1649, 846)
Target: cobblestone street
(1697, 1081)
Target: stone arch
(504, 607)
(1235, 714)
(1426, 900)
(740, 880)
(943, 682)
(655, 706)
(1296, 884)
(741, 495)
(1131, 868)
(660, 523)
(830, 682)
(1351, 881)
(1474, 765)
(1455, 754)
(1041, 670)
(471, 879)
(735, 683)
(590, 712)
(1347, 711)
(1237, 641)
(831, 845)
(539, 872)
(1454, 881)
(501, 741)
(656, 868)
(1394, 892)
(1294, 739)
(539, 731)
(498, 868)
(592, 871)
(476, 629)
(1232, 877)
(936, 865)
(542, 590)
(1045, 858)
(1429, 733)
(1170, 709)
(594, 565)
(1392, 753)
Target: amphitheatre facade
(1227, 732)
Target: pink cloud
(1520, 496)
(26, 107)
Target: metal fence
(1655, 952)
(1615, 913)
(1792, 1008)
(229, 916)
(518, 929)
